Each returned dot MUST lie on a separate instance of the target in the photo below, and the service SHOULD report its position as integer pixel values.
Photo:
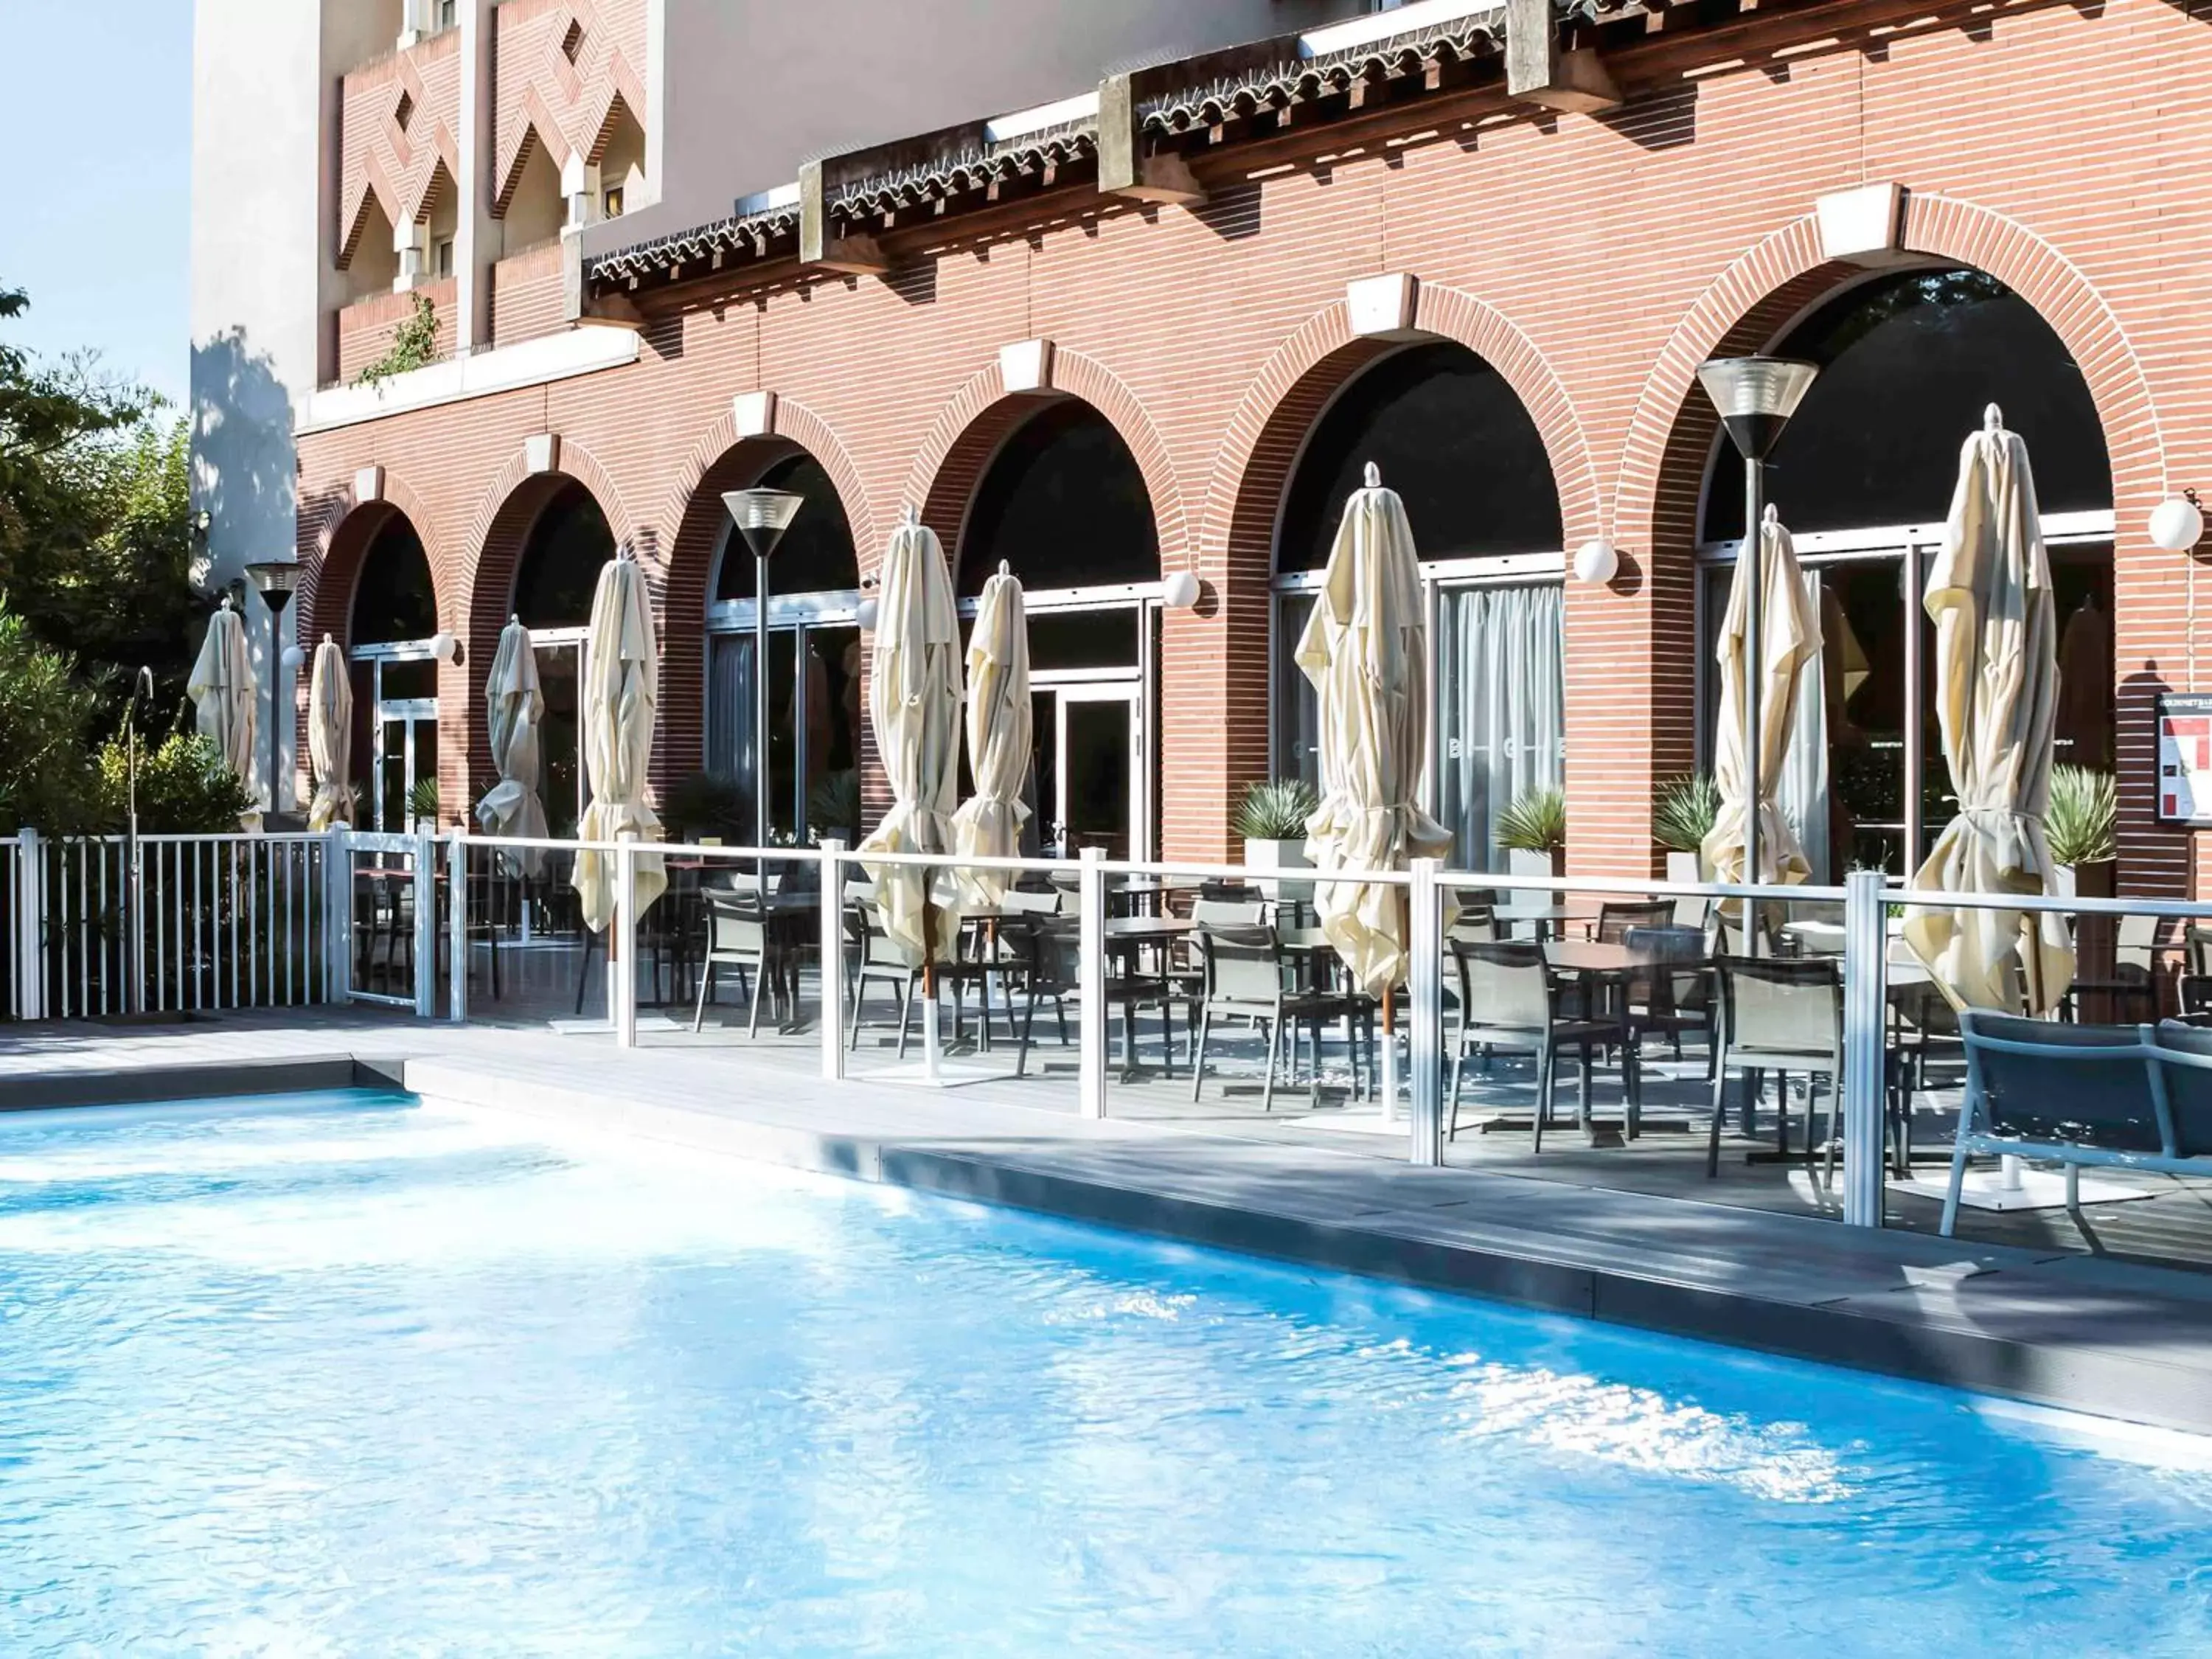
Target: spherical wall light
(2176, 524)
(1596, 562)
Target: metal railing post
(1425, 940)
(1866, 972)
(1091, 982)
(30, 927)
(426, 925)
(622, 948)
(456, 927)
(338, 915)
(833, 961)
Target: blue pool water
(349, 1376)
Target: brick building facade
(1591, 256)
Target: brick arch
(335, 540)
(1253, 465)
(721, 460)
(968, 431)
(1662, 465)
(505, 514)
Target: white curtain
(1802, 792)
(730, 708)
(1505, 711)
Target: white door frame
(1131, 693)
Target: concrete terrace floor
(2050, 1325)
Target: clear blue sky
(104, 87)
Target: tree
(95, 536)
(47, 714)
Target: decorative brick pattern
(365, 327)
(565, 101)
(405, 165)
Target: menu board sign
(2185, 758)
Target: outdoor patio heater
(761, 516)
(1756, 397)
(276, 578)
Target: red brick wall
(366, 326)
(525, 296)
(404, 166)
(1595, 261)
(540, 95)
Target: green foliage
(707, 804)
(1275, 809)
(1535, 823)
(2083, 821)
(184, 787)
(1683, 816)
(833, 806)
(47, 714)
(422, 801)
(95, 533)
(414, 344)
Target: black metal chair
(1509, 999)
(878, 959)
(737, 937)
(1779, 1014)
(1051, 949)
(1247, 977)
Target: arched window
(1063, 504)
(1863, 477)
(569, 545)
(1908, 362)
(393, 599)
(1451, 437)
(815, 556)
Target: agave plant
(1683, 816)
(2082, 822)
(422, 800)
(1536, 822)
(1276, 810)
(833, 805)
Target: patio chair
(1051, 951)
(1509, 999)
(876, 959)
(2185, 1068)
(1676, 996)
(737, 937)
(1247, 977)
(2080, 1094)
(1779, 1014)
(1615, 920)
(1923, 1026)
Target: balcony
(526, 297)
(570, 92)
(365, 327)
(398, 145)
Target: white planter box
(1280, 855)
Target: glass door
(1089, 767)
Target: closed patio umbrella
(1789, 639)
(222, 689)
(329, 736)
(1000, 738)
(1996, 689)
(913, 704)
(622, 684)
(515, 707)
(1366, 651)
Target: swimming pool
(350, 1375)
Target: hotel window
(449, 14)
(1863, 479)
(1454, 442)
(610, 203)
(441, 256)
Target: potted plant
(707, 804)
(833, 806)
(1534, 828)
(1681, 818)
(423, 804)
(1271, 818)
(2082, 823)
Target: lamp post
(761, 516)
(1756, 397)
(276, 578)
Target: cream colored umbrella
(1366, 651)
(913, 704)
(1788, 639)
(223, 689)
(1996, 689)
(1001, 724)
(515, 707)
(622, 684)
(330, 738)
